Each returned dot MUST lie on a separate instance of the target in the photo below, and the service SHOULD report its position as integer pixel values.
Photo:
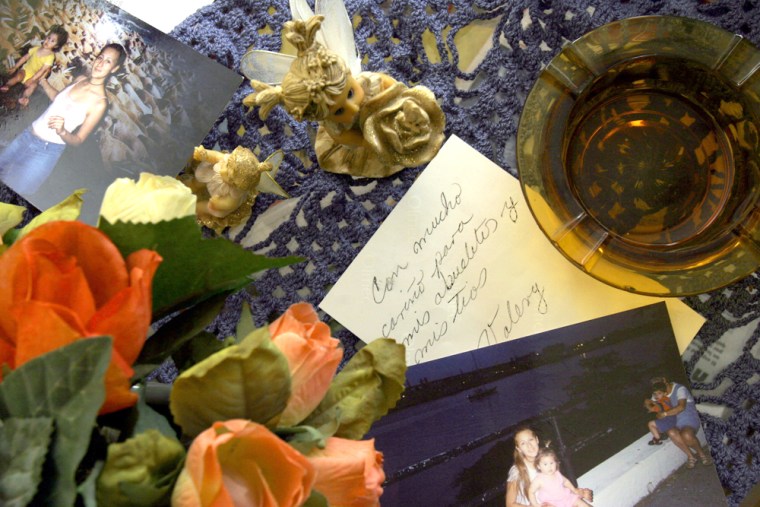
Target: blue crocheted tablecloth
(333, 216)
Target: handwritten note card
(460, 263)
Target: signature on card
(455, 276)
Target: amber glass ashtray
(639, 156)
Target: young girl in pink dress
(550, 487)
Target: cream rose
(150, 199)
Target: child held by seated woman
(550, 486)
(36, 63)
(659, 403)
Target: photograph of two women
(88, 94)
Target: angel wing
(265, 66)
(336, 34)
(268, 183)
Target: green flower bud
(141, 471)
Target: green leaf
(367, 387)
(194, 268)
(181, 328)
(141, 471)
(86, 490)
(303, 438)
(141, 416)
(68, 209)
(67, 385)
(316, 499)
(10, 216)
(329, 421)
(199, 348)
(149, 419)
(24, 443)
(245, 325)
(143, 370)
(250, 380)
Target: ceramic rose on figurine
(226, 184)
(370, 124)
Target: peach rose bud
(313, 358)
(349, 472)
(241, 463)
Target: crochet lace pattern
(335, 215)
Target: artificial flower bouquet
(258, 419)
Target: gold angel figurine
(226, 184)
(369, 124)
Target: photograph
(89, 93)
(598, 413)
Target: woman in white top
(71, 117)
(523, 471)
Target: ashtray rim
(532, 147)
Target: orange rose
(349, 472)
(65, 281)
(241, 463)
(313, 357)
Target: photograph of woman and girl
(470, 428)
(28, 160)
(36, 64)
(534, 480)
(677, 418)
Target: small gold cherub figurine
(226, 184)
(370, 124)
